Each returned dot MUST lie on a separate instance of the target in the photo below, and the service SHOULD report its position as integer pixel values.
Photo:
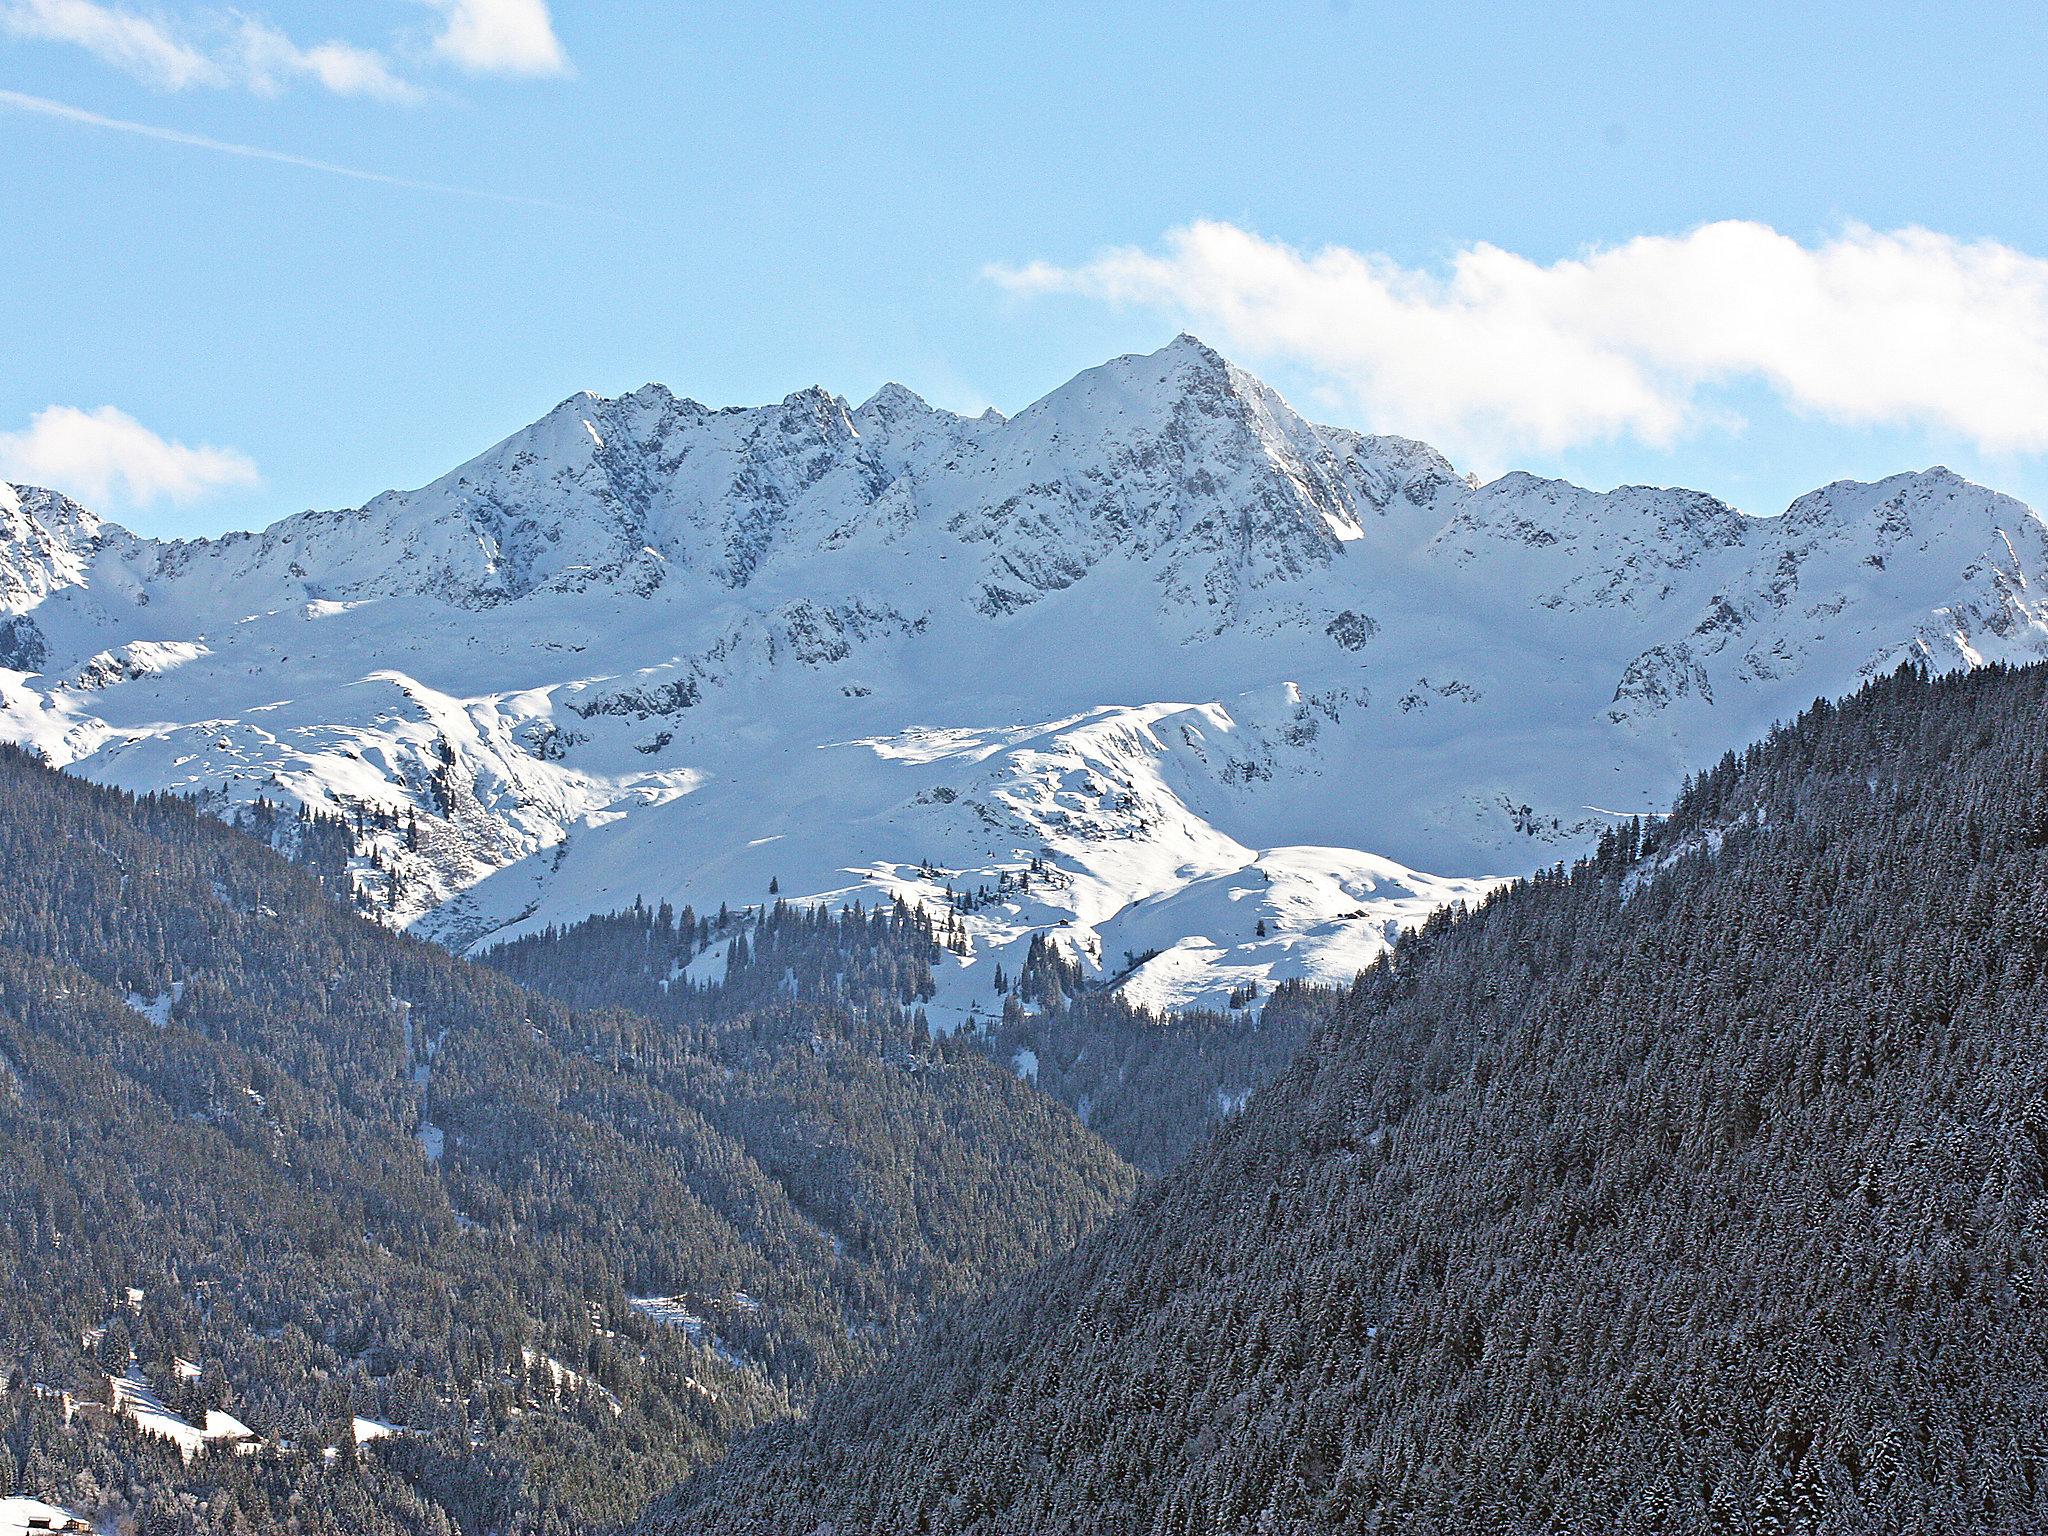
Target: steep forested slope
(1697, 1188)
(1152, 1085)
(338, 1174)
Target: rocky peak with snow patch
(46, 541)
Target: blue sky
(743, 200)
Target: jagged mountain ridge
(1094, 661)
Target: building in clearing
(31, 1517)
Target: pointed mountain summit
(1214, 694)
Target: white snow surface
(155, 1009)
(674, 1311)
(1206, 664)
(19, 1514)
(135, 1396)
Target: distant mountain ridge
(1098, 669)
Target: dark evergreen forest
(1151, 1086)
(1699, 1187)
(339, 1173)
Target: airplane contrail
(44, 107)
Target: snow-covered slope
(24, 1516)
(1151, 666)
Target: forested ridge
(273, 1159)
(1152, 1086)
(1701, 1187)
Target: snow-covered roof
(20, 1515)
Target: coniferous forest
(1152, 1086)
(1699, 1187)
(271, 1159)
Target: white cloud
(250, 53)
(226, 48)
(134, 43)
(501, 37)
(269, 59)
(107, 456)
(1500, 353)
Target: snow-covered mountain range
(1156, 665)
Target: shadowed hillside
(262, 1156)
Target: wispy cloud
(107, 456)
(44, 107)
(269, 60)
(236, 50)
(223, 48)
(136, 44)
(501, 37)
(1499, 353)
